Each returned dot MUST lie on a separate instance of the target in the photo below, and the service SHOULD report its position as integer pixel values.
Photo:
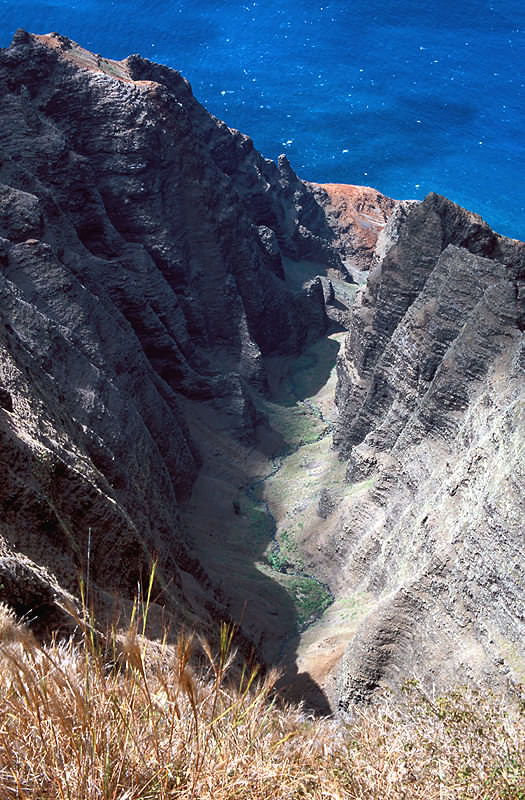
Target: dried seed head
(12, 631)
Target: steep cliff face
(431, 398)
(157, 278)
(140, 258)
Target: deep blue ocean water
(402, 95)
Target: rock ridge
(131, 276)
(431, 398)
(141, 274)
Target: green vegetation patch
(296, 488)
(296, 424)
(311, 599)
(352, 608)
(361, 486)
(262, 525)
(284, 553)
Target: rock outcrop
(431, 397)
(356, 215)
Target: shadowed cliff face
(160, 307)
(137, 269)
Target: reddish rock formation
(357, 215)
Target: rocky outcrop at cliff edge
(356, 215)
(431, 392)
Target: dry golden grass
(75, 727)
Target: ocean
(405, 96)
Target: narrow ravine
(311, 595)
(250, 492)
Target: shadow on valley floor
(297, 273)
(233, 527)
(293, 380)
(300, 687)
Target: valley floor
(261, 516)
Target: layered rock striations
(156, 272)
(140, 257)
(431, 397)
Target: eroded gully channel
(282, 564)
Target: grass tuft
(152, 726)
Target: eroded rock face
(142, 244)
(140, 262)
(356, 215)
(431, 397)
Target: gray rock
(431, 398)
(328, 502)
(141, 292)
(137, 278)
